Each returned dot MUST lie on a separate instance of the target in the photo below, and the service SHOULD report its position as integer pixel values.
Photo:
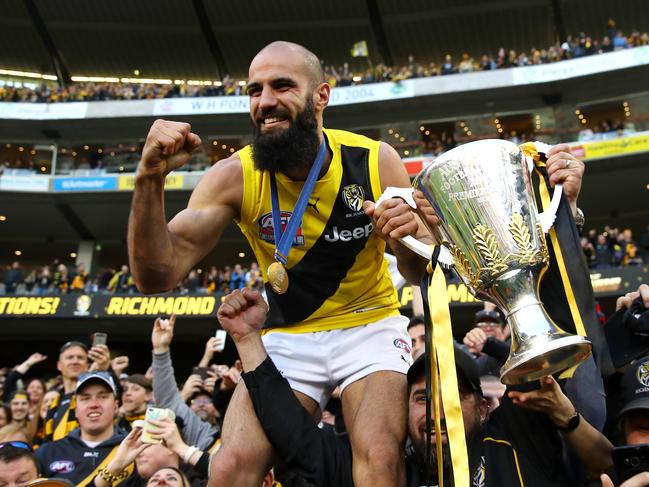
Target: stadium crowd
(87, 423)
(614, 248)
(607, 249)
(574, 46)
(59, 278)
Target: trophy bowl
(480, 195)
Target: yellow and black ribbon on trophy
(441, 378)
(565, 288)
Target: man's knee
(234, 462)
(385, 456)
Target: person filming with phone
(74, 359)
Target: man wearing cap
(634, 403)
(86, 451)
(488, 341)
(18, 464)
(519, 444)
(73, 361)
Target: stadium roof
(202, 39)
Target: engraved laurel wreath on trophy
(481, 195)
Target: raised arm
(160, 254)
(591, 446)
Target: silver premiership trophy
(482, 195)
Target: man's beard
(472, 441)
(294, 147)
(447, 464)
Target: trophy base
(545, 358)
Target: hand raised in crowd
(638, 480)
(549, 400)
(192, 385)
(163, 333)
(168, 146)
(231, 378)
(475, 340)
(128, 450)
(32, 360)
(210, 348)
(626, 300)
(149, 373)
(564, 168)
(242, 312)
(210, 382)
(100, 356)
(119, 364)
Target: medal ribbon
(284, 240)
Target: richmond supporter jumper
(338, 277)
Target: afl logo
(62, 466)
(643, 374)
(353, 196)
(402, 344)
(267, 234)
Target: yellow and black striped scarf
(60, 419)
(565, 289)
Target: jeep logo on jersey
(61, 466)
(353, 196)
(266, 232)
(347, 235)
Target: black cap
(96, 377)
(464, 363)
(634, 387)
(489, 316)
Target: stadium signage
(155, 306)
(456, 293)
(172, 181)
(107, 183)
(347, 95)
(584, 66)
(43, 111)
(29, 306)
(34, 184)
(203, 105)
(96, 306)
(615, 147)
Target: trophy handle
(420, 248)
(548, 216)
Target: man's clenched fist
(168, 146)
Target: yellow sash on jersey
(103, 465)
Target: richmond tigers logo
(643, 374)
(353, 196)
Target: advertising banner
(32, 183)
(101, 183)
(43, 111)
(172, 181)
(109, 306)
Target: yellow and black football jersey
(338, 276)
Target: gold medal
(278, 277)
